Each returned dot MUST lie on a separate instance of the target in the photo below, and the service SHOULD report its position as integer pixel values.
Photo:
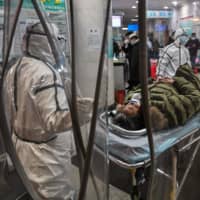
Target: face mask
(126, 41)
(183, 40)
(132, 42)
(193, 38)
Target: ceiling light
(137, 2)
(195, 3)
(175, 3)
(134, 7)
(166, 7)
(133, 20)
(196, 19)
(125, 28)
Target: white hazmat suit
(40, 119)
(173, 55)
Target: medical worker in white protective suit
(173, 55)
(40, 117)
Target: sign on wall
(54, 5)
(50, 5)
(187, 25)
(159, 14)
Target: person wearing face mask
(126, 47)
(39, 116)
(134, 61)
(193, 45)
(173, 56)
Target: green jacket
(178, 101)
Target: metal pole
(188, 169)
(3, 121)
(5, 61)
(74, 111)
(87, 165)
(67, 2)
(174, 175)
(6, 28)
(81, 152)
(144, 85)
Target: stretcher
(130, 149)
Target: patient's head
(130, 117)
(128, 122)
(131, 109)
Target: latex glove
(120, 108)
(85, 106)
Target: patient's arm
(166, 80)
(120, 108)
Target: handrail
(5, 27)
(90, 148)
(74, 112)
(81, 152)
(144, 85)
(3, 122)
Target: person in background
(149, 46)
(134, 61)
(126, 47)
(173, 56)
(116, 49)
(193, 45)
(171, 38)
(154, 51)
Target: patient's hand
(119, 107)
(166, 80)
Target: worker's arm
(52, 106)
(163, 64)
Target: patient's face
(131, 109)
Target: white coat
(39, 118)
(39, 127)
(171, 57)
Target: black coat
(134, 65)
(193, 46)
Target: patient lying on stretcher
(172, 102)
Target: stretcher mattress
(131, 147)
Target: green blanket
(178, 101)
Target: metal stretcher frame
(176, 150)
(127, 165)
(147, 161)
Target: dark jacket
(193, 46)
(134, 65)
(178, 101)
(127, 50)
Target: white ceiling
(124, 7)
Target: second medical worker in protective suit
(39, 117)
(173, 56)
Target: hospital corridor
(99, 100)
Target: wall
(89, 23)
(188, 17)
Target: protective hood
(132, 35)
(36, 44)
(180, 36)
